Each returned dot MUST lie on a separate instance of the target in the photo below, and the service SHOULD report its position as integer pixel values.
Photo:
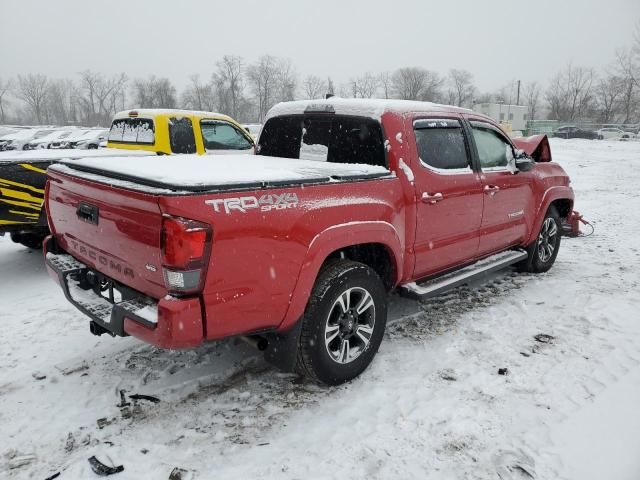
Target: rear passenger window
(493, 150)
(335, 138)
(181, 135)
(132, 130)
(441, 144)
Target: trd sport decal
(265, 203)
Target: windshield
(335, 138)
(219, 135)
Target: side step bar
(436, 286)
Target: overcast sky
(497, 40)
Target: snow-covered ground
(431, 406)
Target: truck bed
(195, 173)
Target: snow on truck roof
(193, 173)
(369, 107)
(152, 112)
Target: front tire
(543, 252)
(343, 323)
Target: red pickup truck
(296, 249)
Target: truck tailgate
(113, 230)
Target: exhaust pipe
(256, 341)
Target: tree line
(247, 90)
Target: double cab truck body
(132, 133)
(295, 249)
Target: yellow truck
(132, 133)
(178, 131)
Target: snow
(431, 406)
(406, 170)
(372, 108)
(55, 155)
(195, 170)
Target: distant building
(513, 115)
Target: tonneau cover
(195, 173)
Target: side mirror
(520, 162)
(523, 162)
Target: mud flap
(282, 349)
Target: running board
(436, 286)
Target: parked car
(46, 140)
(294, 250)
(17, 140)
(83, 139)
(133, 133)
(571, 131)
(612, 133)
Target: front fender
(330, 240)
(552, 194)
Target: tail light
(186, 245)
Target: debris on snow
(139, 396)
(103, 470)
(68, 371)
(544, 338)
(503, 371)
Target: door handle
(428, 198)
(491, 189)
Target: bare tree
(5, 88)
(570, 93)
(262, 77)
(461, 87)
(33, 90)
(365, 86)
(628, 69)
(271, 80)
(532, 97)
(609, 92)
(198, 95)
(229, 82)
(286, 80)
(154, 93)
(384, 80)
(415, 83)
(98, 96)
(314, 87)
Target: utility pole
(518, 94)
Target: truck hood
(196, 173)
(536, 146)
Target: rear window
(334, 138)
(132, 130)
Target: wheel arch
(561, 198)
(375, 243)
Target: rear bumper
(167, 323)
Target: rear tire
(343, 323)
(544, 250)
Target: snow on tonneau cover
(193, 173)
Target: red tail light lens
(185, 253)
